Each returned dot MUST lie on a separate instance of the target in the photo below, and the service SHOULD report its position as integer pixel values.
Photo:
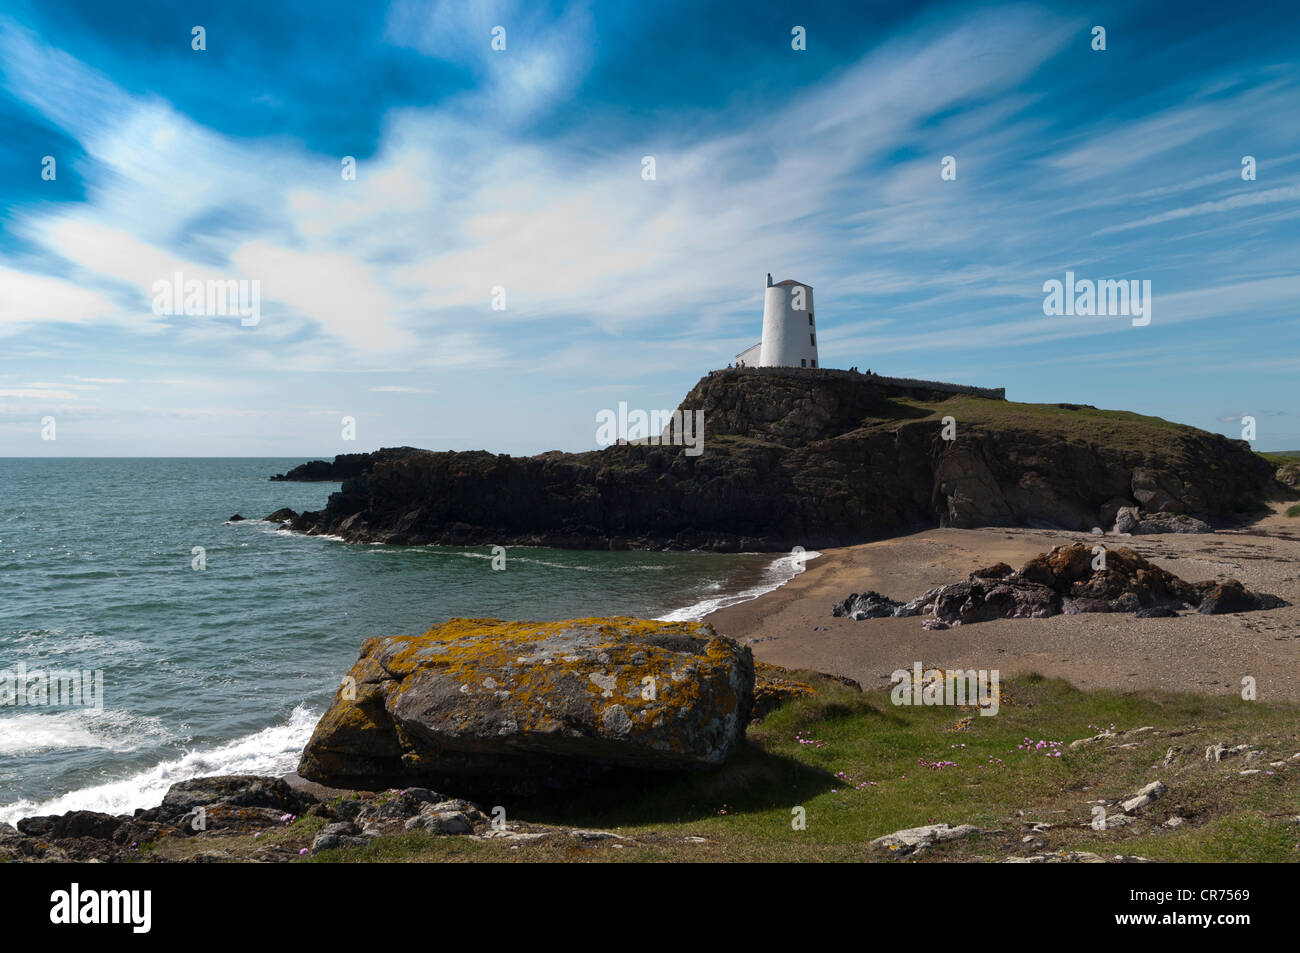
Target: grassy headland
(862, 767)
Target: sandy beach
(793, 626)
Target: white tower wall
(789, 335)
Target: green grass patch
(1279, 457)
(860, 767)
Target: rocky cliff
(343, 467)
(808, 460)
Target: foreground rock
(801, 457)
(915, 840)
(1145, 797)
(1064, 581)
(244, 818)
(481, 704)
(204, 807)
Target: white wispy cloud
(605, 274)
(1245, 199)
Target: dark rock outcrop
(978, 600)
(1171, 523)
(72, 824)
(798, 459)
(866, 605)
(282, 515)
(1156, 612)
(1127, 583)
(230, 791)
(345, 466)
(1064, 581)
(996, 571)
(202, 807)
(1232, 596)
(1134, 521)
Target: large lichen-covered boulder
(482, 704)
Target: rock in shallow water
(482, 704)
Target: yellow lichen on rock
(485, 695)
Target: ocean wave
(42, 643)
(272, 751)
(111, 729)
(781, 571)
(577, 568)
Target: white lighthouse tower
(789, 334)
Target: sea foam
(271, 751)
(775, 576)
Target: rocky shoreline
(420, 723)
(616, 700)
(798, 461)
(214, 818)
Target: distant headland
(806, 457)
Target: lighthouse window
(803, 362)
(814, 362)
(813, 339)
(810, 321)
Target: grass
(744, 811)
(1114, 427)
(1279, 457)
(1293, 510)
(860, 767)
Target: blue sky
(522, 169)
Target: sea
(218, 645)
